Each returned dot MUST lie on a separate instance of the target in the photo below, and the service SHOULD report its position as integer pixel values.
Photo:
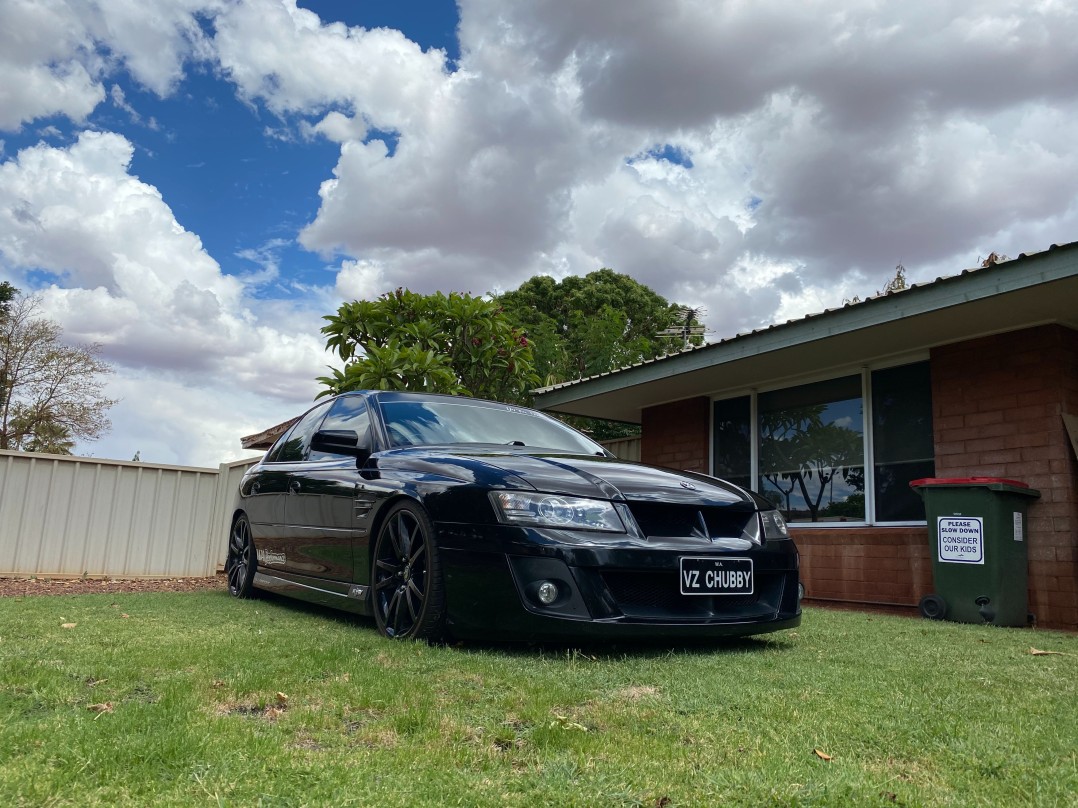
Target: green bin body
(977, 533)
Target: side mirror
(340, 441)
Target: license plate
(716, 576)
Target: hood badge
(688, 486)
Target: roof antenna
(686, 324)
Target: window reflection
(811, 450)
(428, 423)
(294, 446)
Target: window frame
(865, 372)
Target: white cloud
(361, 280)
(54, 54)
(168, 421)
(132, 279)
(834, 140)
(283, 56)
(43, 61)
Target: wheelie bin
(977, 532)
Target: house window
(812, 450)
(806, 448)
(733, 440)
(902, 447)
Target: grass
(172, 699)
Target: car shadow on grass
(593, 649)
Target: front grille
(665, 520)
(656, 594)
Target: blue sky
(209, 154)
(192, 184)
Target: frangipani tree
(436, 343)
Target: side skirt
(336, 595)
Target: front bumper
(627, 589)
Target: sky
(193, 184)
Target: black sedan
(442, 515)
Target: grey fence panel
(624, 448)
(84, 516)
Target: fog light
(547, 592)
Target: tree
(50, 392)
(583, 326)
(432, 343)
(7, 294)
(587, 325)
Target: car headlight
(552, 510)
(774, 525)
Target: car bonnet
(609, 478)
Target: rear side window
(294, 446)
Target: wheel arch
(383, 511)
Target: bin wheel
(933, 607)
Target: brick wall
(676, 435)
(997, 406)
(883, 566)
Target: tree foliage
(434, 343)
(582, 326)
(7, 294)
(50, 393)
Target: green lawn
(172, 699)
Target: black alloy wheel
(240, 566)
(409, 597)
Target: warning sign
(961, 539)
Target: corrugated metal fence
(84, 516)
(624, 448)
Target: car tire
(406, 577)
(241, 564)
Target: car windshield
(424, 423)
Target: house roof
(265, 438)
(1030, 290)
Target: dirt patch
(22, 587)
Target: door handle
(294, 486)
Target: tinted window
(295, 444)
(733, 441)
(902, 447)
(275, 449)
